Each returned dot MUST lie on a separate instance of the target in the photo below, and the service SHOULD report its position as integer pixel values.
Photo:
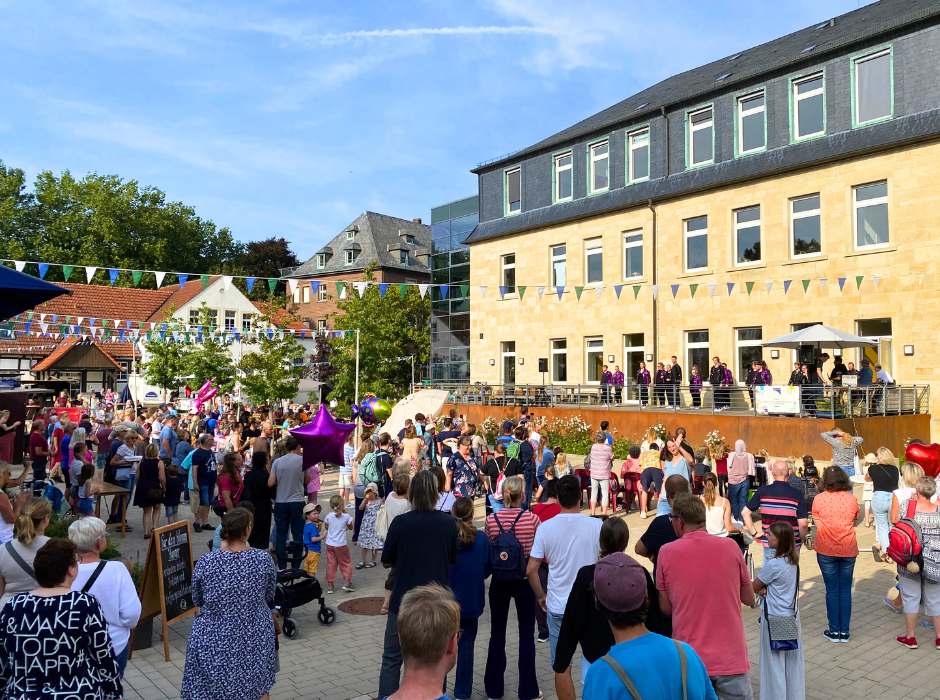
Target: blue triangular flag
(444, 289)
(114, 275)
(561, 290)
(730, 287)
(675, 290)
(162, 335)
(55, 317)
(43, 268)
(270, 334)
(841, 282)
(121, 333)
(250, 281)
(786, 285)
(303, 335)
(314, 286)
(27, 326)
(502, 292)
(617, 289)
(384, 288)
(183, 279)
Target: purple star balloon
(322, 438)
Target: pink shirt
(314, 484)
(602, 459)
(703, 576)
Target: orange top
(834, 513)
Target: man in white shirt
(882, 376)
(567, 542)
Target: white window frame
(856, 85)
(593, 246)
(632, 147)
(748, 224)
(559, 169)
(698, 345)
(742, 113)
(350, 235)
(349, 257)
(628, 245)
(246, 323)
(505, 266)
(233, 317)
(553, 351)
(194, 317)
(321, 324)
(306, 293)
(321, 260)
(708, 124)
(804, 215)
(593, 159)
(296, 295)
(738, 344)
(587, 351)
(504, 352)
(507, 205)
(558, 258)
(214, 318)
(869, 203)
(797, 98)
(321, 292)
(692, 234)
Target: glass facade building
(450, 265)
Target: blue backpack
(507, 559)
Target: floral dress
(463, 477)
(367, 537)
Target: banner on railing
(777, 399)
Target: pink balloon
(204, 387)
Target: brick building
(801, 171)
(398, 250)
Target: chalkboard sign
(166, 589)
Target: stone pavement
(873, 665)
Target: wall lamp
(908, 350)
(774, 354)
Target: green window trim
(506, 171)
(555, 156)
(590, 191)
(688, 136)
(853, 61)
(628, 160)
(762, 89)
(790, 87)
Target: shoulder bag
(784, 630)
(628, 682)
(15, 556)
(94, 576)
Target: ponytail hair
(708, 492)
(462, 510)
(31, 516)
(513, 486)
(236, 523)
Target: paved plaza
(872, 665)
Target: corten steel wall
(781, 437)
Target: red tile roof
(283, 318)
(98, 301)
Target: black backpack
(507, 558)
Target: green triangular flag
(67, 271)
(403, 290)
(805, 285)
(63, 329)
(149, 335)
(578, 290)
(137, 274)
(636, 291)
(11, 324)
(205, 280)
(858, 281)
(340, 288)
(465, 291)
(272, 283)
(522, 292)
(692, 288)
(750, 286)
(29, 316)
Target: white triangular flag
(875, 280)
(656, 291)
(711, 289)
(423, 289)
(360, 287)
(227, 282)
(598, 288)
(160, 276)
(44, 326)
(292, 283)
(482, 292)
(81, 320)
(769, 285)
(822, 283)
(539, 291)
(90, 272)
(19, 265)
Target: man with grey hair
(778, 502)
(109, 581)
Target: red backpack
(904, 541)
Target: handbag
(381, 523)
(784, 630)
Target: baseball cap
(619, 582)
(310, 507)
(507, 426)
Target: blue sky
(292, 118)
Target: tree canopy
(269, 370)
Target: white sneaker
(643, 514)
(349, 506)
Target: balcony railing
(804, 401)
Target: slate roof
(743, 66)
(376, 233)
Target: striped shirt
(525, 528)
(602, 459)
(779, 502)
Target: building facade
(450, 265)
(395, 249)
(782, 186)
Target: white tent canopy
(427, 401)
(822, 337)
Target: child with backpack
(511, 532)
(337, 551)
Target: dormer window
(350, 235)
(321, 260)
(350, 255)
(403, 257)
(409, 239)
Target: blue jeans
(463, 683)
(737, 495)
(554, 628)
(121, 659)
(529, 483)
(881, 508)
(287, 516)
(501, 592)
(850, 471)
(837, 575)
(390, 671)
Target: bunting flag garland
(20, 265)
(183, 279)
(805, 285)
(692, 289)
(43, 268)
(675, 290)
(383, 287)
(502, 291)
(444, 290)
(655, 289)
(465, 291)
(113, 274)
(822, 283)
(786, 286)
(730, 287)
(402, 289)
(250, 282)
(875, 280)
(521, 291)
(578, 291)
(617, 289)
(272, 284)
(136, 275)
(227, 281)
(314, 286)
(482, 291)
(598, 289)
(769, 286)
(636, 291)
(205, 280)
(841, 283)
(711, 289)
(67, 271)
(539, 291)
(749, 286)
(858, 281)
(161, 275)
(423, 289)
(561, 290)
(361, 288)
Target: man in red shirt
(38, 449)
(703, 582)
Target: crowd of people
(409, 502)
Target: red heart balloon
(927, 456)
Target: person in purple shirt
(616, 379)
(659, 385)
(643, 384)
(605, 385)
(695, 387)
(729, 382)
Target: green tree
(389, 328)
(17, 214)
(209, 359)
(166, 359)
(269, 371)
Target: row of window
(747, 348)
(870, 224)
(229, 319)
(350, 254)
(303, 293)
(872, 101)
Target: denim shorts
(205, 494)
(171, 511)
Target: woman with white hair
(108, 581)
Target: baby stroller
(295, 587)
(810, 479)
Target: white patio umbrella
(822, 337)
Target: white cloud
(427, 31)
